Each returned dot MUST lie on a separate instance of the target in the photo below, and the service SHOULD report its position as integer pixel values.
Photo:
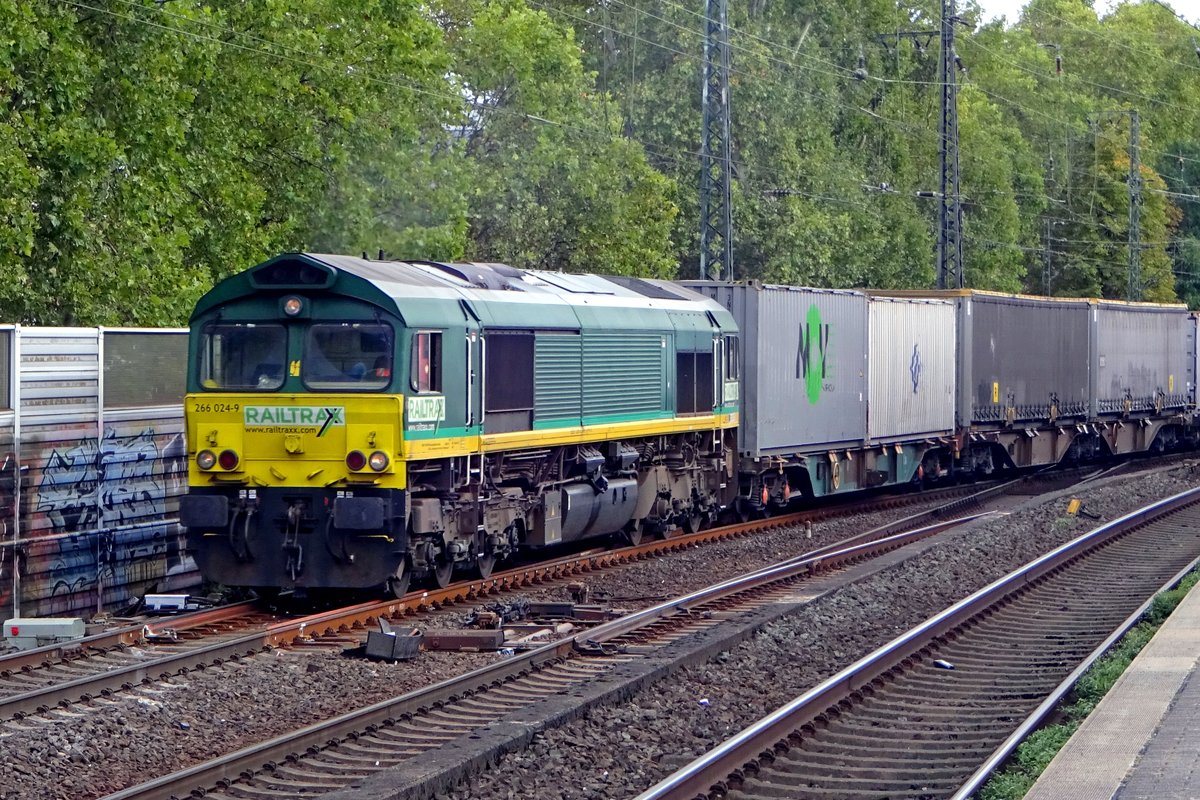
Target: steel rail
(124, 635)
(785, 570)
(697, 777)
(976, 500)
(40, 700)
(256, 757)
(929, 516)
(334, 622)
(1052, 701)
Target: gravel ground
(193, 717)
(645, 583)
(657, 731)
(189, 719)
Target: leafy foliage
(148, 149)
(552, 186)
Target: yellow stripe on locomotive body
(297, 440)
(455, 444)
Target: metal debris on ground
(463, 640)
(160, 635)
(387, 644)
(551, 608)
(493, 615)
(578, 592)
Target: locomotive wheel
(397, 585)
(443, 573)
(484, 565)
(693, 522)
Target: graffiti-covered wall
(92, 464)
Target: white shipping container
(911, 371)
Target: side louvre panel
(558, 388)
(623, 373)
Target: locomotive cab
(295, 438)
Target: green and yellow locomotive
(355, 423)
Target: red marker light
(228, 459)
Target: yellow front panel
(295, 439)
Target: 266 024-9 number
(220, 408)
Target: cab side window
(732, 367)
(426, 366)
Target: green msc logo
(322, 418)
(811, 356)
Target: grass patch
(1032, 755)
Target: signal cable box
(26, 633)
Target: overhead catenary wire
(1031, 9)
(842, 74)
(682, 157)
(838, 70)
(1154, 101)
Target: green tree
(1181, 172)
(553, 185)
(162, 146)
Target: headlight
(205, 459)
(378, 461)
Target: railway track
(356, 746)
(340, 627)
(34, 681)
(932, 713)
(57, 676)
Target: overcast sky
(1011, 9)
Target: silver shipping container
(804, 361)
(1144, 357)
(911, 370)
